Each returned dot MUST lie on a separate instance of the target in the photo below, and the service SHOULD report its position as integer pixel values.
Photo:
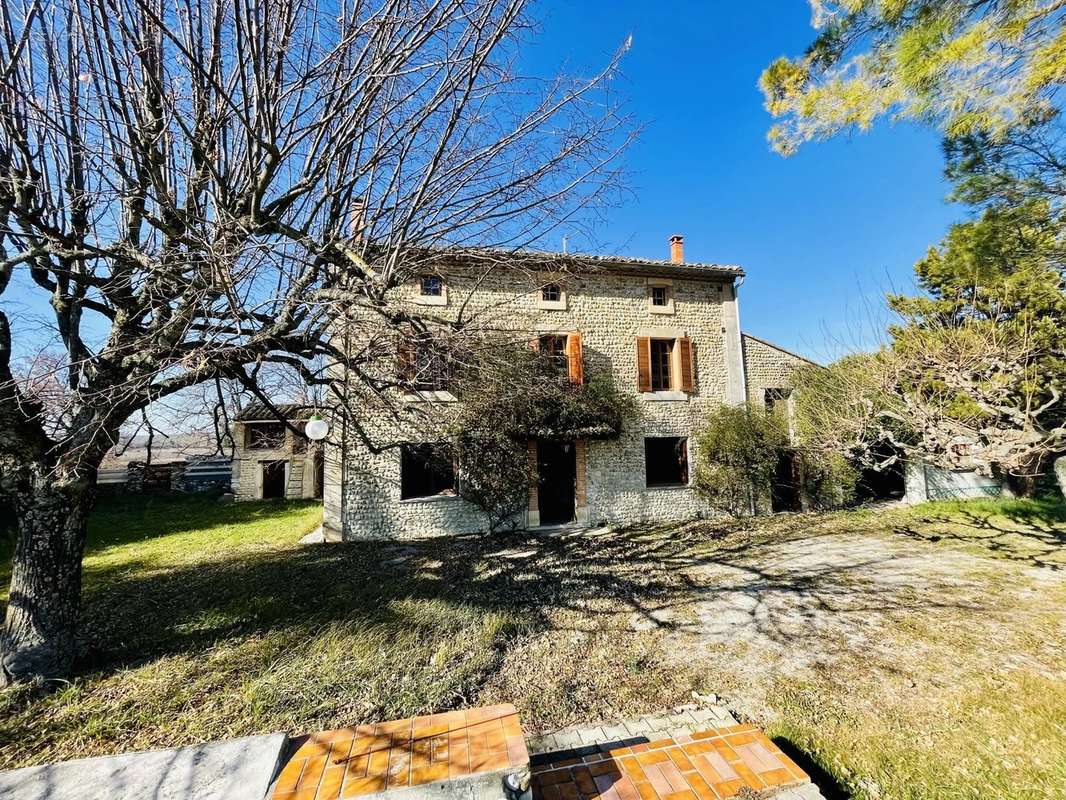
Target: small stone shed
(271, 460)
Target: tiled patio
(707, 765)
(365, 759)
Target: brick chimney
(677, 249)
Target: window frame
(660, 360)
(681, 447)
(250, 429)
(424, 455)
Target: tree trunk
(1060, 473)
(38, 640)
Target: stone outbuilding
(271, 460)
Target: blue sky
(822, 235)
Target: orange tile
(359, 786)
(438, 748)
(399, 768)
(626, 789)
(687, 794)
(728, 788)
(652, 757)
(395, 726)
(777, 777)
(435, 772)
(631, 767)
(330, 786)
(739, 738)
(674, 776)
(751, 780)
(701, 787)
(312, 773)
(290, 776)
(658, 781)
(696, 748)
(646, 791)
(311, 748)
(355, 767)
(517, 754)
(378, 763)
(660, 743)
(677, 755)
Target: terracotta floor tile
(714, 768)
(660, 743)
(687, 794)
(330, 786)
(677, 755)
(739, 738)
(728, 788)
(631, 767)
(430, 774)
(646, 790)
(701, 787)
(555, 776)
(290, 776)
(626, 788)
(657, 780)
(652, 757)
(583, 779)
(355, 766)
(750, 779)
(312, 773)
(673, 774)
(359, 786)
(777, 777)
(696, 748)
(378, 763)
(604, 768)
(568, 791)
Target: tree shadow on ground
(637, 578)
(1031, 532)
(831, 788)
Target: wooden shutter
(574, 356)
(643, 364)
(684, 345)
(406, 359)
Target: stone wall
(246, 467)
(767, 366)
(610, 310)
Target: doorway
(556, 474)
(274, 473)
(785, 492)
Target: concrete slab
(235, 769)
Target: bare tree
(199, 187)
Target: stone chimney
(677, 249)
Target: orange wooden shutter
(573, 356)
(643, 364)
(685, 355)
(405, 359)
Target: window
(432, 369)
(266, 435)
(666, 460)
(431, 286)
(662, 351)
(553, 351)
(552, 293)
(658, 295)
(426, 470)
(666, 366)
(776, 401)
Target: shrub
(829, 479)
(737, 456)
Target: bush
(737, 456)
(829, 479)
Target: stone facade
(767, 367)
(611, 308)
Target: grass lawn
(911, 653)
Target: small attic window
(658, 296)
(431, 286)
(551, 293)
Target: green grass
(205, 621)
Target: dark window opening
(425, 470)
(658, 295)
(551, 293)
(266, 436)
(666, 460)
(662, 351)
(553, 351)
(432, 285)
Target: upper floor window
(662, 357)
(658, 295)
(665, 364)
(562, 351)
(431, 286)
(552, 293)
(265, 435)
(432, 369)
(554, 351)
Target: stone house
(667, 330)
(270, 460)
